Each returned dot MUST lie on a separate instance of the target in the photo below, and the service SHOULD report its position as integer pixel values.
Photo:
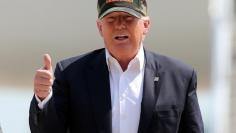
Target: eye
(110, 19)
(129, 18)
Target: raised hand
(44, 78)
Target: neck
(124, 64)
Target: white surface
(14, 103)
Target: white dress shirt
(126, 93)
(41, 104)
(126, 89)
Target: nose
(120, 24)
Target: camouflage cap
(137, 8)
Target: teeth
(121, 37)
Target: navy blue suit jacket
(81, 101)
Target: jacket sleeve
(53, 117)
(191, 120)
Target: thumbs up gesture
(44, 78)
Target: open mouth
(121, 37)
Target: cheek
(107, 36)
(106, 32)
(138, 32)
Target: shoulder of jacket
(79, 60)
(171, 64)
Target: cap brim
(121, 9)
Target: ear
(146, 22)
(99, 26)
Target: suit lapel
(150, 92)
(99, 90)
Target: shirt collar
(138, 60)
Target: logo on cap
(109, 1)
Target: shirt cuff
(41, 104)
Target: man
(120, 89)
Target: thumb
(47, 62)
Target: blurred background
(200, 33)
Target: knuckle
(44, 94)
(51, 81)
(38, 71)
(51, 74)
(36, 76)
(36, 81)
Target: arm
(191, 120)
(53, 116)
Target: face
(122, 34)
